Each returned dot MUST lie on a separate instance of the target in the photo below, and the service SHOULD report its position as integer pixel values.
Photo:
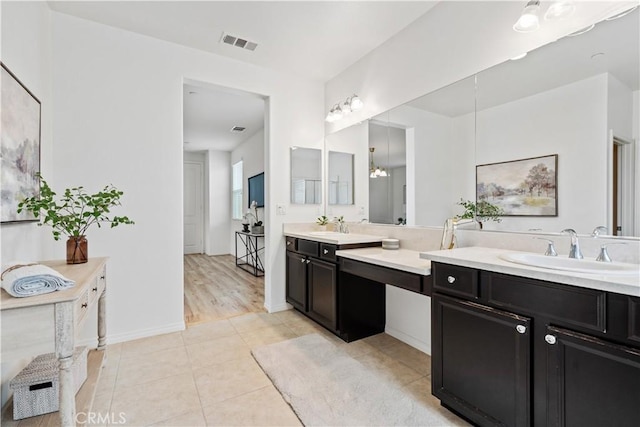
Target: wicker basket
(36, 389)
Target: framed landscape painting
(526, 187)
(19, 146)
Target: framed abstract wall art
(526, 187)
(19, 146)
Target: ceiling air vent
(238, 129)
(238, 42)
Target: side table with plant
(74, 213)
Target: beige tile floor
(206, 375)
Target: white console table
(69, 309)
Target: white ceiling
(209, 114)
(316, 39)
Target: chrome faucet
(604, 254)
(574, 251)
(551, 250)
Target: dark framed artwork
(526, 187)
(256, 190)
(19, 145)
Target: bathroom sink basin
(571, 264)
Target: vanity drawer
(291, 243)
(308, 247)
(328, 252)
(455, 280)
(390, 276)
(562, 304)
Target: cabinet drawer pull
(521, 329)
(288, 243)
(94, 289)
(302, 260)
(325, 251)
(308, 261)
(84, 305)
(550, 339)
(451, 279)
(102, 277)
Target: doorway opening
(623, 187)
(222, 127)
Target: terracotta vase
(77, 252)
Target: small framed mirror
(340, 178)
(306, 176)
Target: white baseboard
(134, 335)
(408, 339)
(280, 307)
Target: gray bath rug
(325, 386)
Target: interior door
(193, 208)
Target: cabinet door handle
(84, 305)
(94, 289)
(550, 339)
(302, 260)
(308, 261)
(288, 243)
(521, 329)
(451, 279)
(326, 251)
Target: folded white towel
(25, 280)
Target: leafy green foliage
(322, 220)
(482, 211)
(75, 211)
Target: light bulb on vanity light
(529, 21)
(355, 103)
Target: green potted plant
(73, 214)
(480, 211)
(323, 221)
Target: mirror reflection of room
(387, 173)
(306, 176)
(340, 178)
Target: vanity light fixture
(528, 21)
(341, 109)
(375, 171)
(559, 10)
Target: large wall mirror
(340, 178)
(577, 98)
(306, 176)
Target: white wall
(118, 100)
(218, 201)
(26, 51)
(570, 121)
(251, 152)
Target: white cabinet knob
(325, 251)
(550, 339)
(521, 329)
(451, 279)
(302, 260)
(308, 261)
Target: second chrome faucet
(574, 250)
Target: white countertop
(399, 259)
(489, 259)
(334, 238)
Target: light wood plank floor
(214, 289)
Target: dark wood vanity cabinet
(515, 351)
(312, 273)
